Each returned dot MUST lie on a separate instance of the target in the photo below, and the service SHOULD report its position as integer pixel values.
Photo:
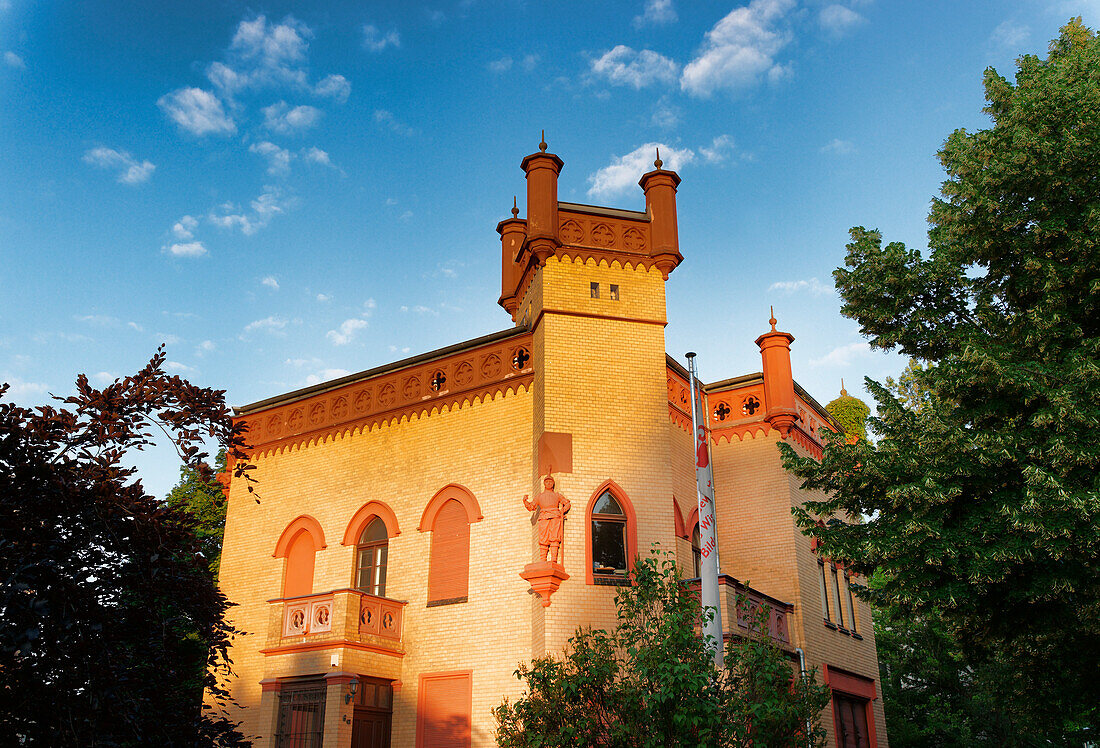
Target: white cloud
(186, 249)
(322, 297)
(395, 349)
(271, 324)
(300, 362)
(205, 347)
(656, 12)
(334, 86)
(838, 20)
(278, 159)
(287, 120)
(1009, 35)
(503, 65)
(270, 282)
(197, 111)
(177, 367)
(624, 171)
(843, 355)
(739, 49)
(272, 47)
(102, 378)
(135, 326)
(167, 338)
(14, 60)
(624, 66)
(184, 228)
(530, 62)
(665, 116)
(265, 207)
(20, 390)
(316, 156)
(718, 151)
(386, 118)
(813, 285)
(325, 375)
(100, 320)
(346, 331)
(370, 305)
(130, 170)
(376, 41)
(838, 147)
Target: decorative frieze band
(445, 382)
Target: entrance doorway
(370, 726)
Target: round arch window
(371, 556)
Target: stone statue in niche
(552, 508)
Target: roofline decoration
(477, 370)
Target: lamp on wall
(352, 687)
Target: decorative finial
(773, 319)
(515, 207)
(658, 163)
(843, 392)
(542, 145)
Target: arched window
(298, 544)
(448, 517)
(371, 554)
(696, 552)
(298, 578)
(449, 570)
(612, 542)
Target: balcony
(341, 618)
(741, 605)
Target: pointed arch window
(371, 558)
(612, 536)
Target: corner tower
(588, 281)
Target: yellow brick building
(378, 580)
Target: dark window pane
(606, 504)
(608, 547)
(374, 532)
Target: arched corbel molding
(451, 491)
(304, 522)
(363, 517)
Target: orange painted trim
(442, 496)
(678, 520)
(330, 644)
(692, 520)
(362, 518)
(631, 527)
(421, 692)
(304, 522)
(477, 374)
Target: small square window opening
(595, 289)
(614, 295)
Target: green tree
(651, 682)
(111, 625)
(981, 506)
(201, 496)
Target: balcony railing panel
(339, 615)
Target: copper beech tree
(111, 625)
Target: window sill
(448, 601)
(611, 581)
(857, 636)
(830, 625)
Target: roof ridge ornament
(542, 143)
(515, 207)
(773, 320)
(658, 163)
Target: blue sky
(285, 193)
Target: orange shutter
(443, 713)
(299, 566)
(449, 573)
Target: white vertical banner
(708, 530)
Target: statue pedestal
(544, 577)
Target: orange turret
(775, 350)
(660, 203)
(542, 170)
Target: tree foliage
(198, 494)
(851, 413)
(652, 682)
(108, 609)
(982, 505)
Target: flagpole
(708, 530)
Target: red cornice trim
(330, 644)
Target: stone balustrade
(344, 615)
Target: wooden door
(370, 728)
(850, 721)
